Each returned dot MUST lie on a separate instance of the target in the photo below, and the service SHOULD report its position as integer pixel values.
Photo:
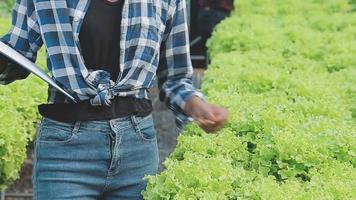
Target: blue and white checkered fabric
(154, 41)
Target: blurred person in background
(211, 13)
(106, 54)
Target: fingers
(207, 117)
(205, 122)
(209, 128)
(211, 118)
(210, 115)
(220, 115)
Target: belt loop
(40, 122)
(39, 127)
(76, 126)
(134, 122)
(111, 123)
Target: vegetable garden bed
(286, 70)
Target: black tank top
(100, 36)
(100, 46)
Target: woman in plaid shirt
(105, 158)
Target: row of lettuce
(18, 118)
(285, 69)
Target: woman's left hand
(209, 117)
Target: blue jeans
(105, 159)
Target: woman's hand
(210, 118)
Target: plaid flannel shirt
(154, 41)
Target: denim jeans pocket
(144, 128)
(55, 132)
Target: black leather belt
(84, 111)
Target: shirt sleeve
(24, 36)
(175, 68)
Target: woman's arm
(175, 77)
(24, 36)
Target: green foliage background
(5, 7)
(285, 69)
(18, 117)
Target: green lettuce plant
(18, 118)
(285, 69)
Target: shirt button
(76, 19)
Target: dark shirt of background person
(212, 12)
